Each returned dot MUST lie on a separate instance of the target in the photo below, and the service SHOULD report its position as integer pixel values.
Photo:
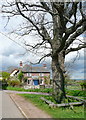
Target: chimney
(21, 65)
(44, 65)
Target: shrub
(4, 84)
(20, 76)
(14, 83)
(25, 79)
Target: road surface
(0, 104)
(9, 109)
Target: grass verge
(78, 112)
(46, 90)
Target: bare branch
(38, 30)
(72, 29)
(75, 49)
(35, 46)
(68, 19)
(47, 55)
(69, 12)
(81, 11)
(30, 5)
(75, 35)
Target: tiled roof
(11, 69)
(28, 68)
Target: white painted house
(14, 73)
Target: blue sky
(10, 52)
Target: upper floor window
(28, 74)
(41, 74)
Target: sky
(12, 53)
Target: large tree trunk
(58, 55)
(58, 77)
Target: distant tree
(20, 76)
(5, 76)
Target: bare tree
(57, 24)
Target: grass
(76, 93)
(78, 112)
(72, 87)
(15, 88)
(46, 90)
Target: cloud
(9, 53)
(76, 68)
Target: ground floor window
(41, 81)
(28, 81)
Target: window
(27, 74)
(28, 81)
(41, 74)
(40, 81)
(30, 74)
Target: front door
(36, 82)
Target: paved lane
(9, 109)
(22, 92)
(0, 104)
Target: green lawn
(76, 93)
(46, 90)
(72, 87)
(78, 112)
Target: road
(22, 92)
(9, 109)
(0, 104)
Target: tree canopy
(5, 75)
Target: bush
(25, 79)
(14, 83)
(4, 84)
(20, 76)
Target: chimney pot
(44, 65)
(21, 64)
